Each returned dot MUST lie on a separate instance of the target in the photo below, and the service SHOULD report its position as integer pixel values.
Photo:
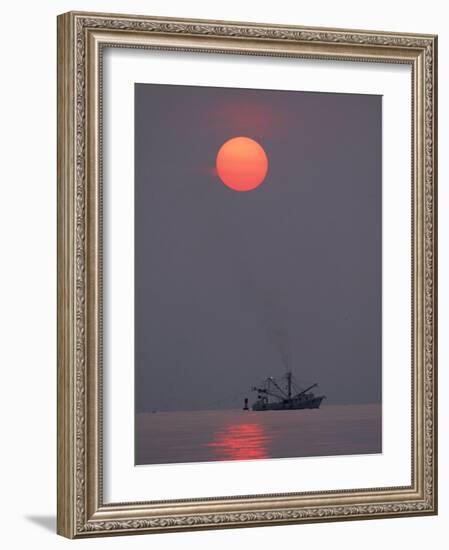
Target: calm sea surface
(203, 436)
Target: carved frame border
(81, 38)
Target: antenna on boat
(282, 345)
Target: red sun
(242, 164)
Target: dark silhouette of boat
(284, 396)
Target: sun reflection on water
(241, 442)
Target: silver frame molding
(81, 39)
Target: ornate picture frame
(82, 509)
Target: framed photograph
(246, 274)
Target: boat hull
(312, 403)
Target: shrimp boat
(283, 395)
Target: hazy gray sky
(224, 279)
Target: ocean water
(212, 435)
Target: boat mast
(289, 384)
